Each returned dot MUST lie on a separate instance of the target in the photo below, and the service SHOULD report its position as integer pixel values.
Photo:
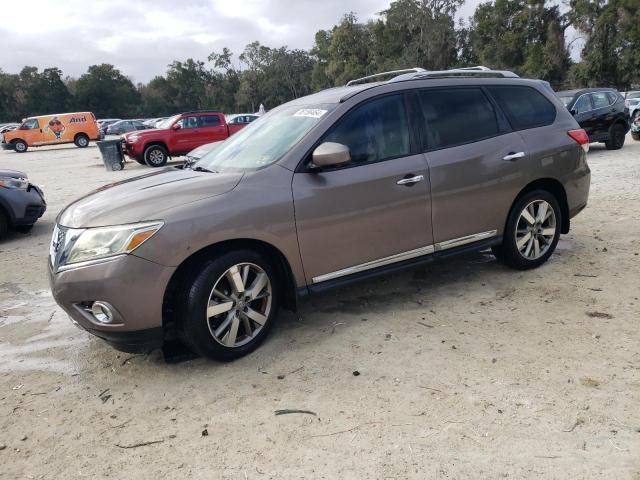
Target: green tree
(416, 33)
(527, 36)
(106, 92)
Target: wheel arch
(153, 143)
(191, 263)
(554, 187)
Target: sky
(142, 37)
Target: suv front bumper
(134, 289)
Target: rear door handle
(410, 180)
(513, 156)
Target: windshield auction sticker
(310, 112)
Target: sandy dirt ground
(464, 369)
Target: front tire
(230, 306)
(20, 146)
(155, 156)
(532, 231)
(616, 137)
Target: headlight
(16, 183)
(99, 243)
(133, 138)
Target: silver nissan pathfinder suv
(327, 189)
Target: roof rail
(384, 74)
(477, 71)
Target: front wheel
(20, 146)
(616, 137)
(155, 156)
(231, 305)
(532, 231)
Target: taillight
(581, 137)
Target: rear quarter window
(525, 106)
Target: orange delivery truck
(78, 128)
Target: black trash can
(112, 154)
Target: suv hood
(145, 198)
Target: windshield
(265, 140)
(633, 95)
(566, 100)
(168, 122)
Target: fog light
(102, 312)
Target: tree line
(531, 37)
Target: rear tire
(532, 231)
(222, 318)
(155, 156)
(81, 141)
(616, 137)
(20, 146)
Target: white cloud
(141, 38)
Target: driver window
(30, 124)
(188, 122)
(583, 104)
(374, 131)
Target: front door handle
(513, 156)
(410, 180)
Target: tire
(20, 146)
(635, 135)
(155, 156)
(518, 227)
(211, 336)
(24, 228)
(4, 225)
(81, 140)
(616, 137)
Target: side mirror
(176, 126)
(330, 154)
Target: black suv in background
(601, 112)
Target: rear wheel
(20, 146)
(81, 140)
(230, 306)
(532, 231)
(616, 137)
(155, 156)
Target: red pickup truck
(177, 136)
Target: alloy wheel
(536, 229)
(239, 305)
(156, 157)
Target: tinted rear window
(457, 116)
(525, 106)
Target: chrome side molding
(418, 252)
(457, 242)
(399, 257)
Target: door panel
(211, 130)
(348, 217)
(472, 186)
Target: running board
(401, 257)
